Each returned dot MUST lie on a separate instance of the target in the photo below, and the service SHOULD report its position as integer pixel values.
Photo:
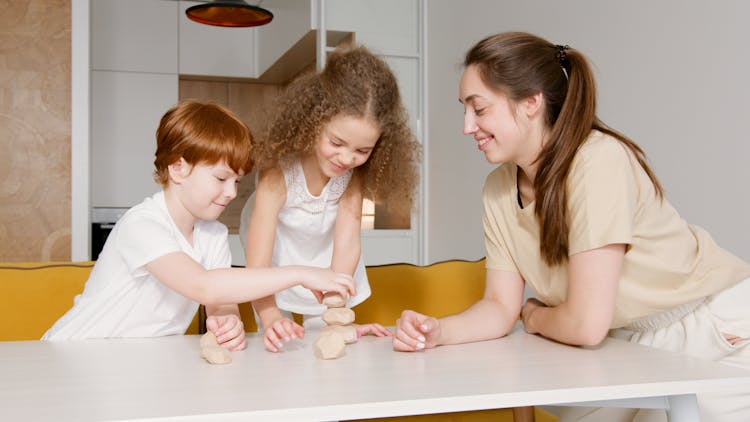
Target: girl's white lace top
(304, 236)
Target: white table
(165, 379)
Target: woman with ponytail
(575, 212)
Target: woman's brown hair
(354, 83)
(520, 65)
(201, 132)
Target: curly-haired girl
(337, 136)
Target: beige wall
(34, 130)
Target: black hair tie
(562, 58)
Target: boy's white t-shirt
(121, 298)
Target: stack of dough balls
(339, 330)
(212, 352)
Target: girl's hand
(229, 331)
(531, 305)
(280, 332)
(321, 280)
(373, 329)
(415, 331)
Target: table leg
(683, 408)
(523, 414)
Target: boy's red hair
(201, 132)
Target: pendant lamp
(231, 13)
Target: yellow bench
(34, 295)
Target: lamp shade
(231, 13)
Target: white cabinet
(292, 20)
(406, 70)
(134, 35)
(387, 27)
(125, 111)
(134, 81)
(215, 51)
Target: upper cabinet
(134, 80)
(388, 27)
(207, 50)
(125, 111)
(292, 22)
(134, 35)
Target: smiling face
(345, 142)
(494, 121)
(207, 189)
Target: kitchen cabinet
(215, 51)
(388, 27)
(134, 35)
(134, 80)
(406, 70)
(125, 111)
(292, 21)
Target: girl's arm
(347, 246)
(491, 317)
(270, 196)
(586, 315)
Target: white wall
(673, 75)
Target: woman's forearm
(560, 323)
(485, 320)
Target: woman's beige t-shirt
(610, 200)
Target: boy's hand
(229, 331)
(280, 332)
(321, 280)
(373, 329)
(415, 331)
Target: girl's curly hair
(354, 83)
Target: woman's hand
(372, 329)
(415, 331)
(280, 332)
(531, 305)
(321, 280)
(229, 331)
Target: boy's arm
(224, 321)
(347, 245)
(221, 286)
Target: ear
(179, 170)
(533, 105)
